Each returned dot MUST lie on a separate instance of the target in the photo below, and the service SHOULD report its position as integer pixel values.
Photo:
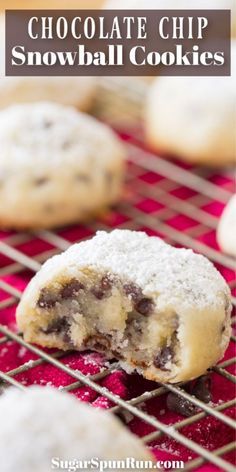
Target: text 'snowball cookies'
(42, 426)
(226, 231)
(57, 166)
(162, 311)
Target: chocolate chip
(71, 288)
(144, 306)
(104, 287)
(59, 325)
(106, 282)
(117, 354)
(99, 343)
(180, 405)
(133, 290)
(201, 388)
(165, 355)
(47, 299)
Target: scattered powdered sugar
(3, 351)
(22, 351)
(170, 275)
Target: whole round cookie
(193, 118)
(226, 231)
(42, 426)
(72, 91)
(162, 311)
(57, 166)
(175, 5)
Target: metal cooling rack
(114, 96)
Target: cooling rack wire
(160, 197)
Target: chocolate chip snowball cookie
(162, 311)
(42, 426)
(194, 117)
(57, 166)
(226, 231)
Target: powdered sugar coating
(51, 136)
(42, 423)
(171, 275)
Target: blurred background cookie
(194, 117)
(175, 5)
(226, 232)
(74, 91)
(57, 166)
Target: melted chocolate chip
(201, 388)
(165, 355)
(133, 290)
(104, 287)
(180, 405)
(71, 288)
(59, 325)
(47, 299)
(144, 306)
(99, 343)
(117, 354)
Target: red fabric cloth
(209, 433)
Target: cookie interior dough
(57, 166)
(42, 424)
(162, 311)
(226, 231)
(194, 118)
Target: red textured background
(208, 432)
